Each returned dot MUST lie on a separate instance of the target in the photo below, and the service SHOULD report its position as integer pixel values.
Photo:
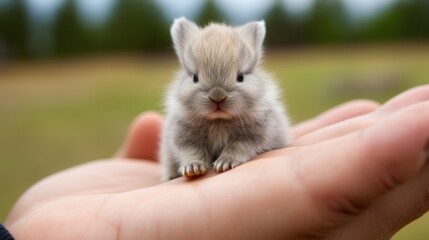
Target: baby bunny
(222, 109)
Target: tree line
(139, 25)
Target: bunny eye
(240, 77)
(195, 78)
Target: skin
(358, 171)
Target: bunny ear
(181, 31)
(254, 32)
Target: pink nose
(217, 100)
(217, 95)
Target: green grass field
(54, 115)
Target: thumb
(142, 141)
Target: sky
(246, 10)
(365, 8)
(238, 11)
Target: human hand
(356, 172)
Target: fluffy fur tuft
(222, 109)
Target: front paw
(192, 170)
(224, 164)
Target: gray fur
(195, 137)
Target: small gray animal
(222, 109)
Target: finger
(325, 134)
(143, 137)
(340, 113)
(394, 210)
(349, 173)
(337, 130)
(410, 97)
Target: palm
(292, 192)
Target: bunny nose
(217, 100)
(217, 95)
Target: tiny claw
(193, 170)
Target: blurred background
(74, 73)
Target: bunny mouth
(219, 112)
(218, 108)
